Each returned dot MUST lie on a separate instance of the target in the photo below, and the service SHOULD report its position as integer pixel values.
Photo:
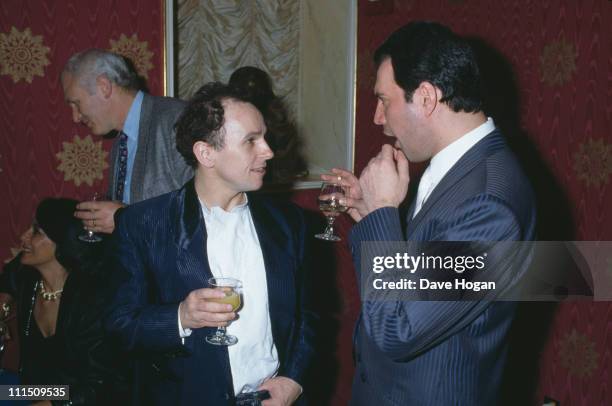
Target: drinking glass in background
(233, 292)
(329, 204)
(88, 235)
(5, 311)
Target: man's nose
(267, 152)
(76, 116)
(379, 115)
(26, 235)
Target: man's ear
(105, 86)
(204, 153)
(428, 97)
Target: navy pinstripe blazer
(160, 246)
(445, 353)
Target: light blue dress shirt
(131, 129)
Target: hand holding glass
(90, 236)
(329, 204)
(233, 291)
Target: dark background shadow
(322, 377)
(502, 102)
(531, 328)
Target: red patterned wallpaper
(39, 154)
(559, 117)
(560, 53)
(558, 50)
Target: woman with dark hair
(288, 163)
(56, 286)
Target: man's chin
(26, 259)
(107, 135)
(255, 185)
(94, 131)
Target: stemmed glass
(88, 235)
(329, 204)
(5, 310)
(233, 292)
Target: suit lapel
(138, 172)
(466, 163)
(190, 239)
(192, 261)
(277, 260)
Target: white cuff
(182, 332)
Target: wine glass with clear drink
(329, 204)
(88, 235)
(232, 288)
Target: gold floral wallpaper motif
(593, 162)
(578, 354)
(22, 55)
(558, 62)
(137, 51)
(82, 160)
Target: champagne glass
(233, 291)
(88, 235)
(329, 204)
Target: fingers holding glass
(332, 202)
(89, 235)
(232, 289)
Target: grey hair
(88, 65)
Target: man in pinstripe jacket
(167, 248)
(416, 352)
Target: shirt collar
(130, 128)
(444, 160)
(216, 209)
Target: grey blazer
(158, 167)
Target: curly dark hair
(203, 119)
(430, 52)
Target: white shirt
(444, 160)
(233, 251)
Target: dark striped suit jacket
(160, 245)
(445, 352)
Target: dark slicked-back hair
(430, 52)
(203, 119)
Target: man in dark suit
(104, 93)
(418, 352)
(168, 247)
